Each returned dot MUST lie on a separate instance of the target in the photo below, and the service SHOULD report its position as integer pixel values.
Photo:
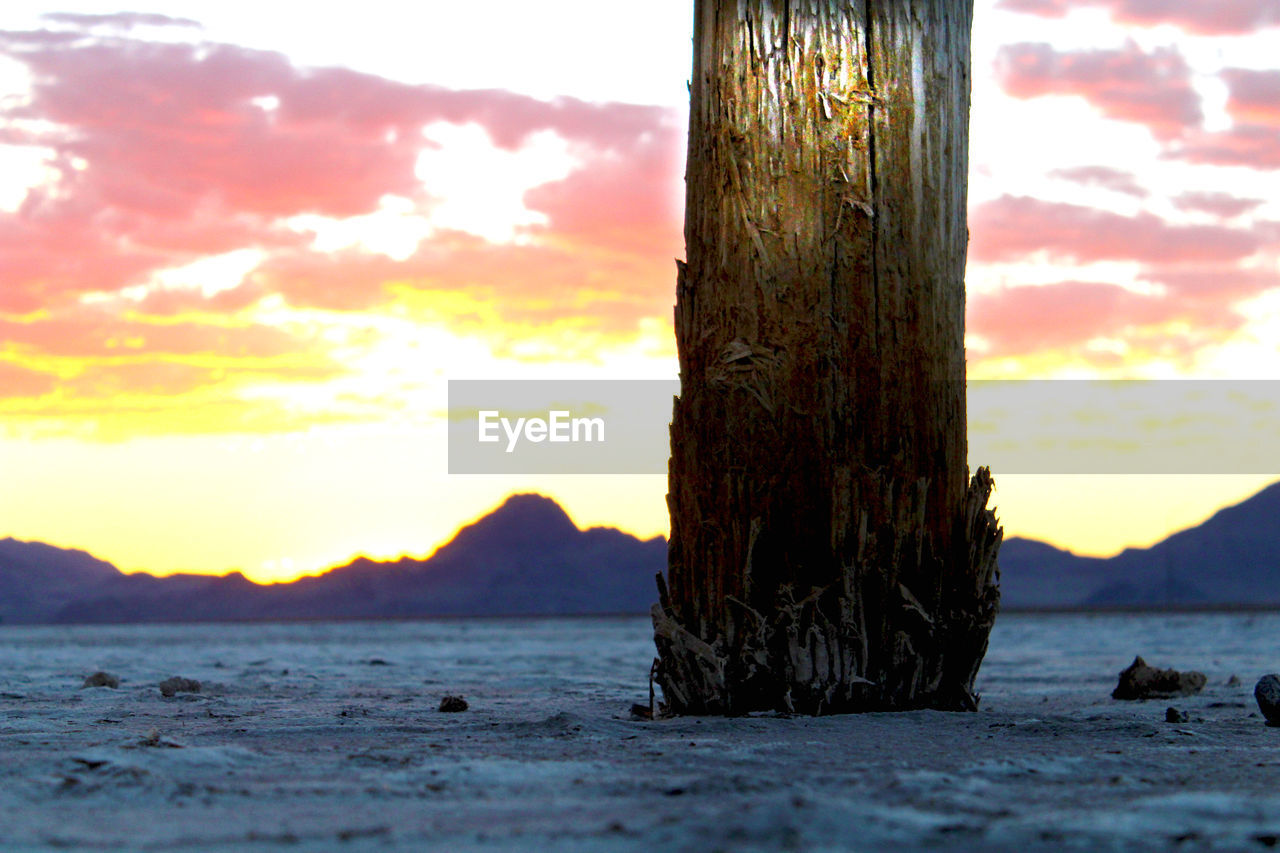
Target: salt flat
(329, 737)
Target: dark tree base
(817, 654)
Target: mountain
(1033, 574)
(37, 579)
(527, 557)
(1231, 559)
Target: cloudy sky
(242, 248)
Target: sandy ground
(333, 740)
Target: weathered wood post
(828, 550)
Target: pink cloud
(1105, 177)
(1210, 286)
(1253, 96)
(1064, 317)
(1030, 318)
(169, 152)
(1253, 141)
(1220, 17)
(119, 20)
(1126, 84)
(166, 153)
(1216, 203)
(1012, 227)
(164, 127)
(1247, 146)
(623, 198)
(1044, 8)
(162, 303)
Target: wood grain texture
(826, 553)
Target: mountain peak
(530, 507)
(522, 521)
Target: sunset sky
(243, 247)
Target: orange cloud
(608, 289)
(89, 333)
(119, 418)
(167, 379)
(18, 381)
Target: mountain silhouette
(1233, 558)
(37, 579)
(528, 558)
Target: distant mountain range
(525, 558)
(528, 558)
(1231, 559)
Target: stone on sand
(101, 679)
(177, 684)
(1267, 692)
(1141, 681)
(453, 704)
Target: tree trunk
(828, 550)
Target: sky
(242, 253)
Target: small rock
(378, 662)
(453, 704)
(1140, 681)
(1267, 692)
(102, 679)
(178, 684)
(641, 712)
(1233, 681)
(1173, 715)
(154, 739)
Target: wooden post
(828, 551)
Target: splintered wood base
(821, 654)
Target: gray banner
(560, 426)
(1015, 426)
